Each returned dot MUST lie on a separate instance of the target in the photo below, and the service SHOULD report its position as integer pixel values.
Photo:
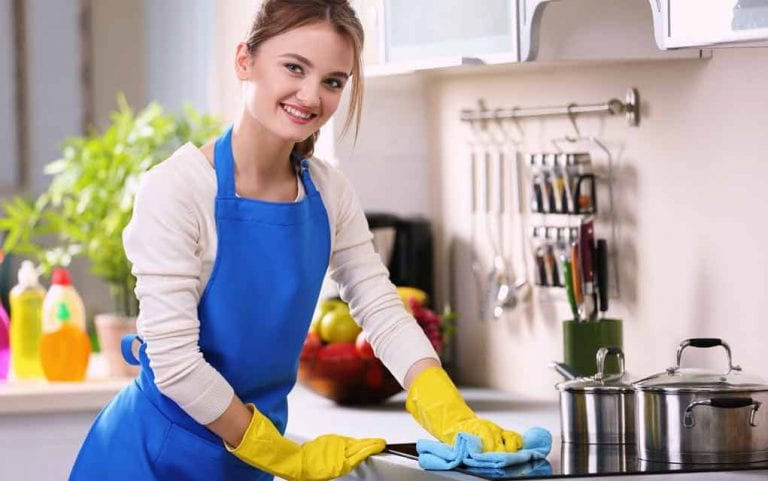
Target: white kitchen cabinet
(567, 30)
(711, 23)
(405, 36)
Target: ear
(243, 60)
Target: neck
(259, 153)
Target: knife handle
(568, 275)
(601, 260)
(587, 240)
(576, 274)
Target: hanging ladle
(502, 289)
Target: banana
(412, 293)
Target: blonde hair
(279, 16)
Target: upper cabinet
(567, 30)
(407, 35)
(710, 23)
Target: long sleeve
(162, 243)
(171, 242)
(364, 283)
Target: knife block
(582, 340)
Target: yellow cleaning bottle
(64, 353)
(26, 302)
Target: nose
(309, 94)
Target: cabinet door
(371, 15)
(426, 29)
(711, 22)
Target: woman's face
(293, 82)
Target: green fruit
(339, 326)
(324, 307)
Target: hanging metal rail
(630, 107)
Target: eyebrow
(306, 61)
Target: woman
(229, 245)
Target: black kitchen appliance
(586, 461)
(405, 246)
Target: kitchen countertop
(311, 415)
(43, 397)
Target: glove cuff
(435, 403)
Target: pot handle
(604, 352)
(704, 342)
(724, 403)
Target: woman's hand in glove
(437, 405)
(326, 457)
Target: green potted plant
(90, 200)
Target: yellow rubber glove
(325, 457)
(437, 405)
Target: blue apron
(254, 315)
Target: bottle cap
(60, 277)
(28, 274)
(63, 313)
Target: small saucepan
(598, 409)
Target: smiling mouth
(297, 114)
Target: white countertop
(24, 397)
(28, 397)
(311, 415)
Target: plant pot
(110, 329)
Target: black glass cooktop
(576, 460)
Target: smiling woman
(337, 61)
(230, 244)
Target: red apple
(339, 361)
(374, 375)
(363, 347)
(312, 345)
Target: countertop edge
(41, 397)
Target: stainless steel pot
(598, 409)
(583, 459)
(699, 416)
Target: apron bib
(254, 316)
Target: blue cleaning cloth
(539, 467)
(468, 451)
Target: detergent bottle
(64, 353)
(26, 300)
(62, 290)
(5, 344)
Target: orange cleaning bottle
(64, 353)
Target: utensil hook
(572, 118)
(516, 122)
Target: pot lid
(612, 383)
(700, 380)
(677, 379)
(601, 382)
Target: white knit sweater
(171, 242)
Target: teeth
(295, 112)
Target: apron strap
(126, 346)
(306, 179)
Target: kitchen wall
(688, 202)
(689, 199)
(688, 185)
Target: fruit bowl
(338, 363)
(348, 381)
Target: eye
(334, 83)
(294, 68)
